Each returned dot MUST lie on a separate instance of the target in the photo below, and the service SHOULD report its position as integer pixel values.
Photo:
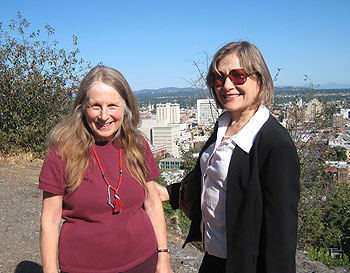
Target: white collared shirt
(214, 165)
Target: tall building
(148, 124)
(169, 112)
(314, 108)
(166, 135)
(207, 112)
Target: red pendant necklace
(117, 204)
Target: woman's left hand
(163, 264)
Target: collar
(246, 136)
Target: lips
(104, 125)
(231, 96)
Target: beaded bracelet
(163, 250)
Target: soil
(19, 218)
(20, 223)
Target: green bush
(324, 256)
(37, 85)
(184, 222)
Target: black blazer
(261, 203)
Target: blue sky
(153, 43)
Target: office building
(207, 112)
(167, 135)
(169, 112)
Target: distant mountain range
(190, 89)
(164, 89)
(334, 85)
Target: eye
(95, 107)
(113, 107)
(219, 79)
(219, 75)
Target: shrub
(37, 84)
(325, 256)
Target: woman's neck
(102, 143)
(238, 121)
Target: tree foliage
(324, 256)
(337, 153)
(37, 84)
(324, 205)
(189, 158)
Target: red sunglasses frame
(237, 76)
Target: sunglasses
(236, 76)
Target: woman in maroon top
(97, 176)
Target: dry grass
(23, 159)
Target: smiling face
(104, 112)
(240, 100)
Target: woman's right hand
(162, 192)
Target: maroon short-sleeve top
(92, 238)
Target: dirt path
(20, 217)
(20, 214)
(20, 206)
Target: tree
(323, 202)
(337, 214)
(340, 153)
(37, 85)
(188, 156)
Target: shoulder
(272, 130)
(274, 137)
(51, 178)
(143, 143)
(53, 154)
(141, 138)
(275, 150)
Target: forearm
(154, 209)
(49, 230)
(156, 215)
(48, 247)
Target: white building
(345, 113)
(148, 124)
(342, 140)
(167, 135)
(207, 112)
(169, 112)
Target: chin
(101, 138)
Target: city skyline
(154, 43)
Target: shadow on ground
(28, 267)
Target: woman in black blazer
(243, 194)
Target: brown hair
(73, 137)
(253, 63)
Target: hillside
(20, 220)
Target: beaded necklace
(117, 204)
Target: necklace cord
(103, 173)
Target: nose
(104, 113)
(228, 84)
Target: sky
(154, 44)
